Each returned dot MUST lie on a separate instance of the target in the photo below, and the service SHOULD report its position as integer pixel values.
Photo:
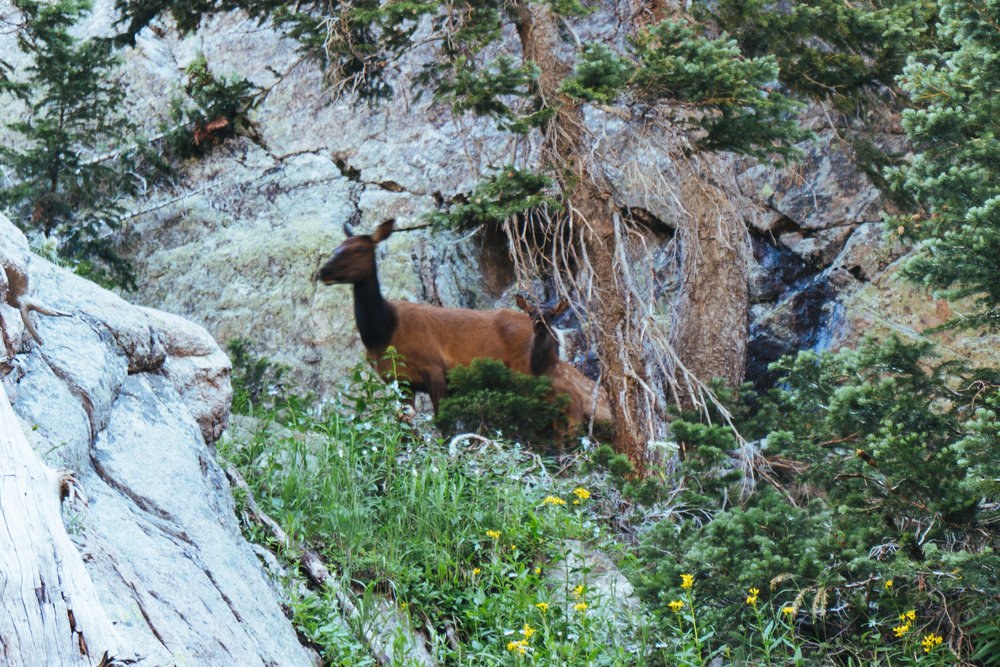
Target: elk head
(354, 260)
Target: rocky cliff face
(236, 246)
(234, 243)
(128, 401)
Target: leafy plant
(508, 193)
(885, 464)
(462, 543)
(488, 397)
(220, 111)
(954, 176)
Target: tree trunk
(708, 333)
(712, 316)
(592, 214)
(49, 610)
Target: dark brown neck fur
(374, 316)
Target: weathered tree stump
(49, 610)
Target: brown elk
(430, 339)
(587, 400)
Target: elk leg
(437, 388)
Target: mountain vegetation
(848, 514)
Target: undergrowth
(486, 547)
(477, 542)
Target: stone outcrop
(127, 400)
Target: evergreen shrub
(487, 397)
(883, 475)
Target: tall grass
(468, 542)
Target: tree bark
(592, 213)
(49, 611)
(708, 333)
(710, 327)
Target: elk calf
(588, 401)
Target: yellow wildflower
(687, 580)
(578, 591)
(580, 606)
(752, 598)
(901, 630)
(476, 570)
(520, 646)
(888, 585)
(675, 605)
(552, 500)
(581, 493)
(495, 534)
(912, 615)
(527, 631)
(543, 606)
(930, 641)
(790, 611)
(538, 570)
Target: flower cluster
(904, 626)
(752, 598)
(675, 605)
(930, 641)
(520, 646)
(495, 534)
(687, 580)
(552, 500)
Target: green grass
(480, 546)
(470, 542)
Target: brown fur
(588, 402)
(431, 339)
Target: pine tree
(826, 49)
(68, 183)
(955, 173)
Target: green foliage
(481, 90)
(220, 111)
(892, 461)
(472, 543)
(69, 178)
(739, 110)
(598, 76)
(354, 41)
(508, 193)
(826, 49)
(954, 175)
(488, 397)
(259, 385)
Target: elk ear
(348, 232)
(560, 308)
(522, 303)
(383, 231)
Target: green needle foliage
(599, 76)
(508, 193)
(738, 107)
(955, 173)
(886, 463)
(69, 180)
(826, 49)
(488, 397)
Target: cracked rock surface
(129, 400)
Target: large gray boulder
(128, 400)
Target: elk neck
(374, 316)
